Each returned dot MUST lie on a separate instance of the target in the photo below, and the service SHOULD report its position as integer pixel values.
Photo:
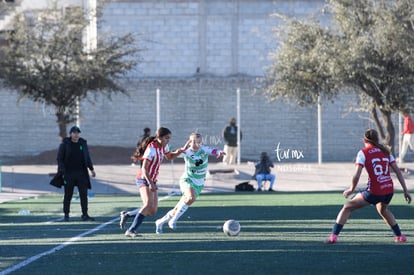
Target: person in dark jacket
(262, 172)
(73, 161)
(230, 142)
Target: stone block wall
(197, 53)
(193, 104)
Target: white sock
(166, 217)
(181, 208)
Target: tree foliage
(45, 60)
(367, 50)
(301, 68)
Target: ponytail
(139, 151)
(371, 137)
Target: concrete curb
(24, 181)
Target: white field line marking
(57, 248)
(63, 245)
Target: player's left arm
(401, 179)
(217, 152)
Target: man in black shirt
(230, 142)
(73, 162)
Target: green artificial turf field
(282, 233)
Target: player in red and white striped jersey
(152, 152)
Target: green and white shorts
(187, 183)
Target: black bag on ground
(244, 186)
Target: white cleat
(172, 225)
(123, 219)
(158, 227)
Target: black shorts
(374, 199)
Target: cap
(74, 129)
(263, 154)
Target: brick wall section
(220, 37)
(229, 41)
(203, 104)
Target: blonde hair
(196, 134)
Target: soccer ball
(231, 228)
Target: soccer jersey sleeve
(149, 153)
(392, 159)
(360, 159)
(210, 151)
